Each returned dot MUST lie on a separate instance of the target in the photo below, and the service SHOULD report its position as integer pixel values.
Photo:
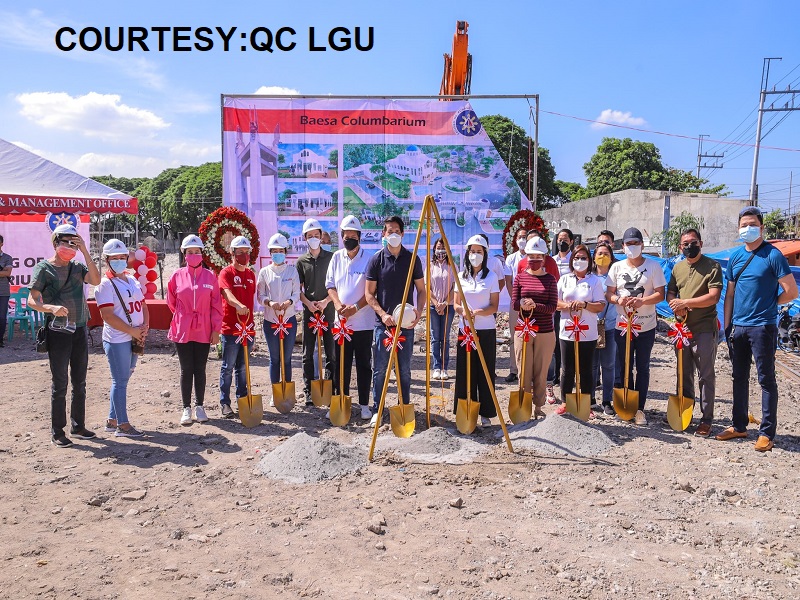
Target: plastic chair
(38, 318)
(21, 314)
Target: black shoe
(309, 403)
(596, 407)
(83, 433)
(2, 344)
(512, 378)
(609, 410)
(62, 441)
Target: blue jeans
(380, 358)
(440, 332)
(122, 362)
(758, 343)
(605, 359)
(274, 345)
(232, 361)
(641, 347)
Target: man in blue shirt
(758, 280)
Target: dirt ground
(185, 513)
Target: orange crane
(457, 75)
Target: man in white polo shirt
(346, 282)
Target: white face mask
(521, 242)
(475, 259)
(632, 251)
(313, 243)
(394, 239)
(580, 264)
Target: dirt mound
(305, 459)
(560, 435)
(435, 445)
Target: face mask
(632, 251)
(749, 234)
(563, 246)
(441, 254)
(394, 239)
(326, 247)
(580, 264)
(521, 243)
(278, 258)
(384, 242)
(66, 253)
(535, 264)
(313, 243)
(242, 259)
(194, 260)
(692, 251)
(118, 266)
(476, 260)
(350, 244)
(602, 260)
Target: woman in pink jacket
(193, 297)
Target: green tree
(507, 135)
(333, 158)
(678, 225)
(571, 191)
(774, 225)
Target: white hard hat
(536, 245)
(310, 225)
(278, 241)
(240, 242)
(192, 241)
(65, 229)
(114, 247)
(477, 239)
(350, 223)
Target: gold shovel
(467, 410)
(250, 407)
(283, 393)
(626, 401)
(578, 404)
(520, 403)
(341, 404)
(321, 389)
(679, 407)
(402, 416)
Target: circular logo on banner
(62, 218)
(466, 123)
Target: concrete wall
(644, 209)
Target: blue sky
(681, 67)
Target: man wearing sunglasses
(693, 292)
(56, 289)
(758, 280)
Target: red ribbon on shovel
(246, 334)
(317, 323)
(526, 328)
(680, 335)
(281, 327)
(575, 326)
(387, 341)
(341, 332)
(467, 338)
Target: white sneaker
(186, 417)
(272, 402)
(373, 420)
(366, 413)
(444, 376)
(200, 414)
(436, 374)
(640, 419)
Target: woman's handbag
(137, 347)
(601, 330)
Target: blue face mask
(278, 258)
(327, 247)
(749, 234)
(118, 266)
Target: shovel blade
(578, 405)
(283, 396)
(679, 411)
(251, 411)
(340, 410)
(321, 392)
(626, 403)
(402, 420)
(520, 406)
(467, 415)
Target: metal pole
(764, 83)
(535, 157)
(665, 224)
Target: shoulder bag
(137, 347)
(41, 334)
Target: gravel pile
(559, 435)
(435, 445)
(305, 459)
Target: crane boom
(457, 74)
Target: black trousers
(68, 354)
(480, 385)
(360, 348)
(193, 357)
(310, 347)
(585, 356)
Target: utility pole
(790, 202)
(700, 156)
(665, 224)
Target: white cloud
(94, 115)
(195, 152)
(617, 117)
(119, 165)
(276, 90)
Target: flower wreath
(522, 219)
(212, 231)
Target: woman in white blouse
(481, 295)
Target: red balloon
(150, 290)
(151, 276)
(150, 261)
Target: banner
(285, 160)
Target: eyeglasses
(69, 243)
(750, 210)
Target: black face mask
(692, 251)
(563, 246)
(351, 244)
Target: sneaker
(62, 441)
(186, 417)
(200, 414)
(308, 403)
(512, 378)
(444, 376)
(538, 413)
(485, 422)
(83, 433)
(560, 410)
(640, 419)
(703, 430)
(551, 397)
(436, 374)
(109, 428)
(131, 431)
(271, 404)
(763, 444)
(608, 410)
(227, 411)
(373, 420)
(366, 413)
(596, 407)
